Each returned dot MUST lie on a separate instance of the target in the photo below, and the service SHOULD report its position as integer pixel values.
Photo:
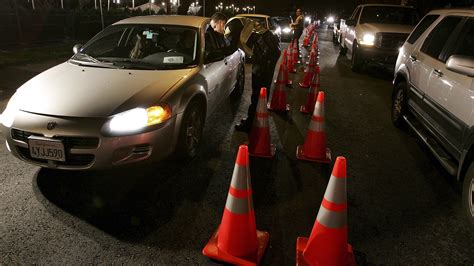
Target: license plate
(44, 148)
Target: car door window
(439, 37)
(210, 43)
(356, 15)
(465, 43)
(421, 27)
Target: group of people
(259, 44)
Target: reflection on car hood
(377, 27)
(77, 91)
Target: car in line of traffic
(139, 91)
(433, 92)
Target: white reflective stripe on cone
(336, 190)
(318, 109)
(331, 219)
(261, 121)
(238, 205)
(239, 177)
(316, 126)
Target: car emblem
(51, 125)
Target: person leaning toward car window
(298, 26)
(259, 44)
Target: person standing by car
(258, 43)
(298, 26)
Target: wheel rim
(397, 104)
(193, 132)
(471, 197)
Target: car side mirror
(351, 22)
(461, 64)
(76, 48)
(214, 56)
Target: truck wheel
(356, 60)
(468, 195)
(399, 104)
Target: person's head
(218, 21)
(298, 12)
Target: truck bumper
(374, 54)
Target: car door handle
(413, 58)
(438, 72)
(225, 62)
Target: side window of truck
(464, 45)
(422, 26)
(439, 37)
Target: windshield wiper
(95, 61)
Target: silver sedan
(140, 90)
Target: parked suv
(375, 32)
(434, 92)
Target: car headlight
(368, 39)
(138, 118)
(330, 19)
(286, 30)
(277, 30)
(8, 116)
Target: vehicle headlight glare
(330, 20)
(308, 19)
(368, 39)
(8, 116)
(278, 30)
(286, 30)
(138, 118)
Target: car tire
(190, 134)
(399, 104)
(240, 85)
(357, 62)
(468, 195)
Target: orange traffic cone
(327, 244)
(314, 148)
(291, 63)
(295, 53)
(306, 39)
(259, 138)
(278, 102)
(237, 240)
(312, 95)
(284, 68)
(309, 72)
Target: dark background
(19, 24)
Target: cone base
(301, 243)
(212, 251)
(305, 110)
(271, 155)
(303, 85)
(301, 156)
(285, 109)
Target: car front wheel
(190, 135)
(468, 195)
(399, 104)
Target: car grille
(69, 143)
(390, 40)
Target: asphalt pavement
(403, 208)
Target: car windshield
(140, 46)
(259, 20)
(389, 15)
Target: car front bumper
(374, 54)
(86, 148)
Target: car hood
(81, 91)
(393, 28)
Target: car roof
(192, 21)
(453, 11)
(253, 15)
(387, 5)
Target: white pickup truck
(375, 32)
